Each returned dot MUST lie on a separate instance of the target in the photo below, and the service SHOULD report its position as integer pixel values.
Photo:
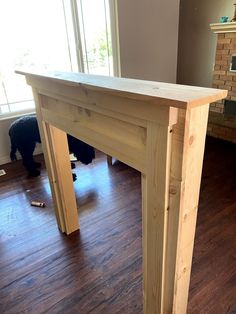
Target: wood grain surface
(99, 269)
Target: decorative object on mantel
(224, 19)
(234, 17)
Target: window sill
(14, 115)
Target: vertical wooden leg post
(56, 153)
(188, 143)
(155, 185)
(170, 191)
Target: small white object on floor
(2, 172)
(72, 157)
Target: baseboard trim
(6, 159)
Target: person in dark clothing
(24, 135)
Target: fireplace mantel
(221, 124)
(223, 27)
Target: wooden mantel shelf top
(172, 95)
(229, 27)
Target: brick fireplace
(222, 122)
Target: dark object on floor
(24, 134)
(82, 151)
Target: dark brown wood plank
(213, 280)
(99, 269)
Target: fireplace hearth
(230, 107)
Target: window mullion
(107, 39)
(115, 37)
(78, 42)
(84, 36)
(67, 36)
(5, 93)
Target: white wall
(197, 43)
(148, 32)
(4, 141)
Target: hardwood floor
(99, 269)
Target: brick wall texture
(219, 125)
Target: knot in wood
(191, 139)
(173, 190)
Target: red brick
(216, 67)
(230, 35)
(216, 77)
(222, 132)
(223, 41)
(232, 93)
(224, 52)
(222, 62)
(225, 87)
(226, 57)
(230, 46)
(219, 72)
(221, 46)
(219, 82)
(226, 77)
(221, 35)
(214, 109)
(231, 73)
(224, 67)
(218, 57)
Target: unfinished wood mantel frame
(157, 128)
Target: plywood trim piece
(155, 187)
(131, 155)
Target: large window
(64, 35)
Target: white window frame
(115, 37)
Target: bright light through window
(95, 29)
(40, 34)
(32, 34)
